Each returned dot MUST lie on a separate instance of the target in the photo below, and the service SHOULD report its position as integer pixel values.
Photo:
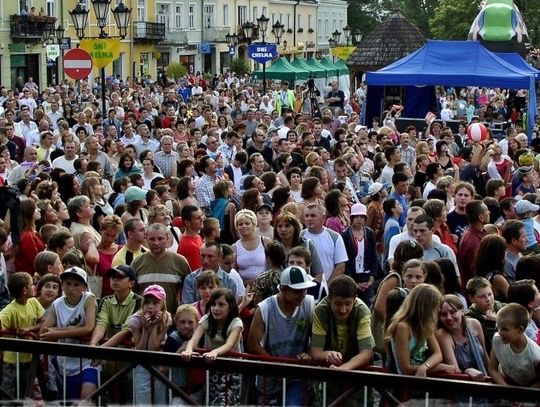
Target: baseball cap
(264, 206)
(135, 194)
(375, 188)
(75, 272)
(296, 278)
(522, 171)
(524, 206)
(358, 210)
(155, 291)
(122, 270)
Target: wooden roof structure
(394, 39)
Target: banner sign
(342, 53)
(102, 50)
(262, 53)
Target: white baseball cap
(296, 278)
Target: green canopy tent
(331, 72)
(342, 70)
(283, 70)
(317, 73)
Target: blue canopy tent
(457, 63)
(518, 61)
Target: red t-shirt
(190, 248)
(29, 246)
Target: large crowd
(203, 213)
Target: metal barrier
(392, 389)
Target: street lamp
(332, 43)
(121, 14)
(263, 26)
(357, 36)
(336, 35)
(277, 30)
(59, 37)
(347, 33)
(249, 29)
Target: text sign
(53, 51)
(102, 50)
(262, 53)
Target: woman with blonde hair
(461, 339)
(92, 187)
(413, 347)
(47, 262)
(250, 248)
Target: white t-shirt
(330, 252)
(402, 237)
(519, 367)
(65, 164)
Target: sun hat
(155, 291)
(296, 278)
(375, 188)
(358, 210)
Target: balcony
(145, 32)
(31, 29)
(215, 34)
(176, 37)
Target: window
(191, 16)
(178, 13)
(225, 15)
(141, 10)
(299, 23)
(274, 18)
(242, 14)
(265, 11)
(209, 15)
(255, 13)
(288, 21)
(309, 22)
(51, 10)
(326, 22)
(163, 14)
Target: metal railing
(176, 37)
(390, 388)
(148, 32)
(215, 34)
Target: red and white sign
(77, 63)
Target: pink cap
(156, 291)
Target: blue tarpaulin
(453, 63)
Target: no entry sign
(77, 63)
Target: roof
(283, 70)
(458, 63)
(392, 40)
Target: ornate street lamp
(121, 14)
(347, 33)
(249, 29)
(336, 35)
(357, 36)
(277, 30)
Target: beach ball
(477, 132)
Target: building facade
(191, 32)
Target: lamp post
(59, 37)
(232, 40)
(263, 26)
(347, 33)
(249, 29)
(121, 14)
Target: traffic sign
(65, 43)
(262, 53)
(77, 63)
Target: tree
(176, 70)
(453, 19)
(239, 65)
(365, 15)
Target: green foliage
(176, 70)
(366, 15)
(240, 66)
(530, 10)
(452, 20)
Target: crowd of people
(205, 214)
